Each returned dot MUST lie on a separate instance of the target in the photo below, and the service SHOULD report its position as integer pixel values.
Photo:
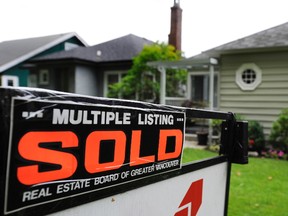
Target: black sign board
(56, 147)
(59, 151)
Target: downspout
(162, 71)
(211, 87)
(211, 94)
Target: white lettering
(155, 119)
(60, 118)
(70, 186)
(72, 117)
(36, 194)
(105, 179)
(167, 165)
(143, 170)
(76, 117)
(85, 118)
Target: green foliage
(174, 80)
(143, 82)
(279, 132)
(239, 117)
(256, 136)
(216, 125)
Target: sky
(205, 23)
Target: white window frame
(203, 73)
(107, 73)
(248, 86)
(44, 77)
(5, 79)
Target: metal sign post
(67, 154)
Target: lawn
(259, 188)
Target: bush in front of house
(275, 154)
(256, 137)
(279, 132)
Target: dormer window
(70, 46)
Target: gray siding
(265, 102)
(85, 81)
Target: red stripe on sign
(192, 198)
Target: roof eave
(217, 53)
(33, 63)
(185, 63)
(39, 50)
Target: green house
(15, 54)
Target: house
(87, 70)
(91, 70)
(15, 53)
(250, 76)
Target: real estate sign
(64, 153)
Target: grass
(259, 188)
(191, 154)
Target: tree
(143, 82)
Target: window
(112, 78)
(70, 46)
(32, 80)
(248, 76)
(7, 80)
(44, 77)
(199, 87)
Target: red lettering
(135, 158)
(164, 134)
(29, 149)
(92, 151)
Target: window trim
(6, 78)
(42, 74)
(248, 86)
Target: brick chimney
(176, 26)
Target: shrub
(279, 132)
(275, 154)
(256, 137)
(216, 125)
(239, 117)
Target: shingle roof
(119, 49)
(271, 39)
(16, 51)
(276, 37)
